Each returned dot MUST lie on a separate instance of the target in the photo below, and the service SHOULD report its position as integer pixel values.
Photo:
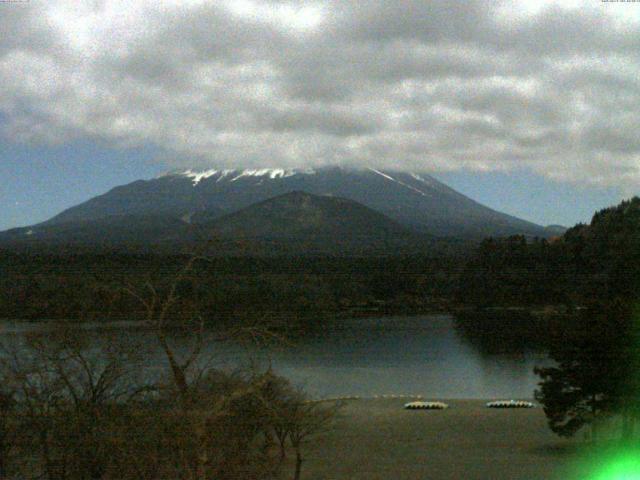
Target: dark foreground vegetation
(70, 410)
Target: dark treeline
(48, 286)
(593, 272)
(588, 283)
(535, 288)
(516, 271)
(588, 263)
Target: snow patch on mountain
(263, 172)
(271, 173)
(388, 177)
(224, 174)
(197, 177)
(428, 181)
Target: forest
(94, 286)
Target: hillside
(302, 223)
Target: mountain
(301, 223)
(295, 223)
(133, 232)
(417, 201)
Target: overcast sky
(531, 91)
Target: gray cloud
(412, 85)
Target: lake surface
(418, 355)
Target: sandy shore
(377, 439)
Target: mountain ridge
(415, 200)
(294, 223)
(298, 223)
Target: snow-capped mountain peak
(415, 200)
(198, 176)
(234, 174)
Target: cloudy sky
(532, 107)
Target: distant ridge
(295, 223)
(301, 223)
(414, 200)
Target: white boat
(510, 404)
(426, 406)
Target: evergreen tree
(595, 370)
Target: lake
(418, 355)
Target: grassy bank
(378, 439)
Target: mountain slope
(132, 232)
(415, 200)
(295, 223)
(299, 213)
(301, 223)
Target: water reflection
(423, 355)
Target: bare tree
(292, 417)
(158, 307)
(308, 418)
(165, 310)
(38, 392)
(68, 393)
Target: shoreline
(423, 397)
(379, 439)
